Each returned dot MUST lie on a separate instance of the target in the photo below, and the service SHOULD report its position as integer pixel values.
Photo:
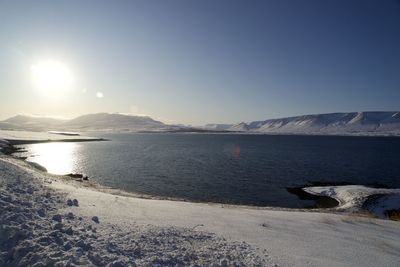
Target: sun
(52, 77)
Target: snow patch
(355, 197)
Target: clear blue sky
(203, 61)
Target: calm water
(240, 169)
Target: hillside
(90, 122)
(30, 123)
(117, 122)
(353, 123)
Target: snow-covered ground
(38, 136)
(39, 225)
(356, 197)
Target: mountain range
(90, 122)
(351, 123)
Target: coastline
(323, 202)
(42, 226)
(274, 237)
(328, 203)
(26, 142)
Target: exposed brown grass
(393, 214)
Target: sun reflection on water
(57, 158)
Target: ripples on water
(58, 158)
(240, 169)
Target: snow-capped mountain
(90, 122)
(240, 127)
(31, 123)
(110, 122)
(217, 127)
(352, 123)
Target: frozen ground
(169, 233)
(38, 136)
(40, 226)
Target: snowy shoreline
(40, 226)
(169, 233)
(54, 220)
(323, 202)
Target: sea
(254, 170)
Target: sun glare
(57, 158)
(51, 77)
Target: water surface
(225, 168)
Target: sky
(196, 62)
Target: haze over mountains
(352, 123)
(90, 122)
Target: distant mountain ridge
(107, 121)
(23, 122)
(90, 122)
(217, 126)
(351, 123)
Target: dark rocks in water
(75, 202)
(75, 175)
(69, 202)
(7, 148)
(78, 177)
(320, 201)
(70, 216)
(95, 219)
